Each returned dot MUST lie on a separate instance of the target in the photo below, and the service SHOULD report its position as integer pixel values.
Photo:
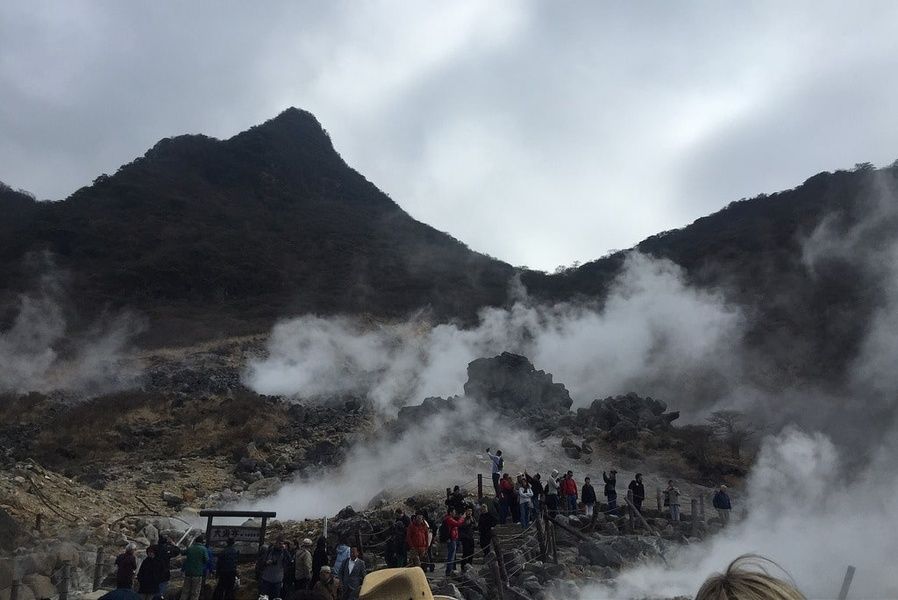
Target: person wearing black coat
(165, 552)
(466, 537)
(226, 571)
(319, 559)
(638, 491)
(588, 496)
(485, 525)
(149, 576)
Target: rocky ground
(79, 475)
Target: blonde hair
(746, 578)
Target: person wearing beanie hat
(303, 562)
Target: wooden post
(846, 583)
(541, 538)
(500, 557)
(358, 542)
(98, 568)
(554, 544)
(497, 576)
(16, 582)
(658, 498)
(694, 509)
(645, 523)
(64, 584)
(208, 545)
(38, 521)
(480, 487)
(262, 534)
(701, 507)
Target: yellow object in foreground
(398, 584)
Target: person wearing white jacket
(525, 495)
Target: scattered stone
(601, 555)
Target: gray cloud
(635, 118)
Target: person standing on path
(319, 559)
(194, 568)
(303, 561)
(485, 525)
(638, 491)
(125, 566)
(226, 571)
(165, 552)
(552, 494)
(722, 503)
(417, 539)
(149, 575)
(569, 489)
(588, 497)
(498, 465)
(611, 490)
(274, 566)
(672, 497)
(525, 497)
(452, 522)
(352, 575)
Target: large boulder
(10, 531)
(600, 555)
(510, 382)
(41, 586)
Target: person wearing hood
(149, 575)
(319, 559)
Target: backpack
(500, 463)
(443, 532)
(666, 498)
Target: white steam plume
(434, 454)
(652, 330)
(38, 354)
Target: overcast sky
(538, 132)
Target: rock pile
(508, 384)
(624, 416)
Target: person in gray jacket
(352, 574)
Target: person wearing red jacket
(506, 496)
(569, 489)
(417, 538)
(452, 522)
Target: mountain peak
(293, 121)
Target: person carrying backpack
(498, 466)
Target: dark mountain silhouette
(211, 237)
(805, 320)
